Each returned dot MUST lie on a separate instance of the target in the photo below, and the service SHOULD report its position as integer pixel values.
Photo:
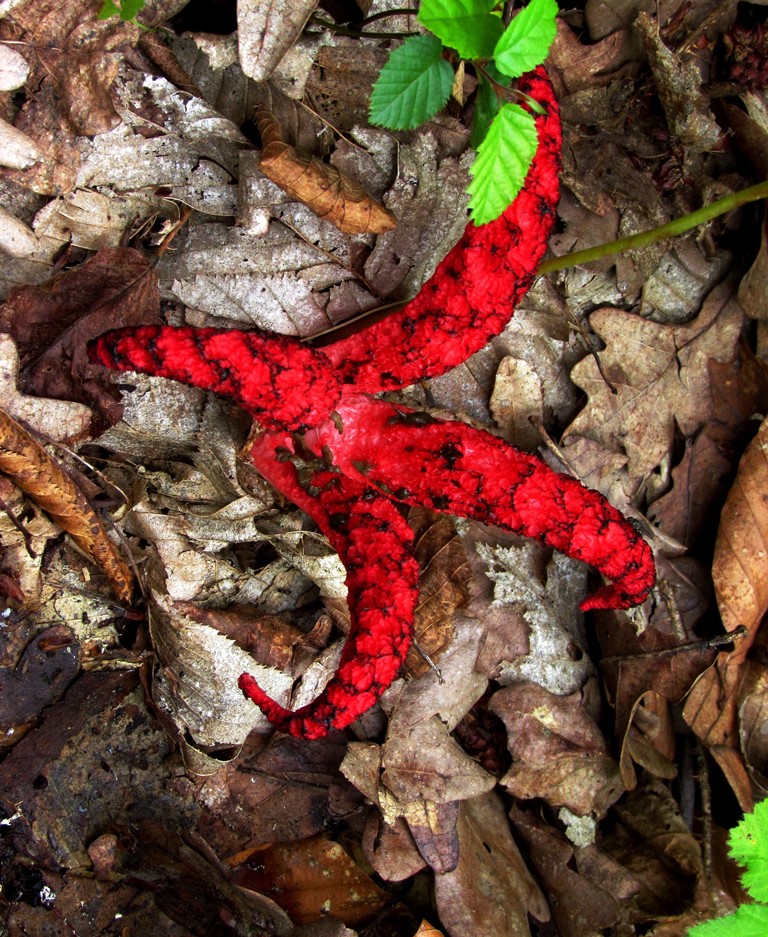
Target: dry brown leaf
(58, 420)
(74, 60)
(311, 879)
(753, 712)
(558, 752)
(753, 289)
(329, 193)
(45, 669)
(52, 324)
(425, 763)
(491, 892)
(661, 377)
(741, 587)
(279, 792)
(442, 587)
(46, 482)
(579, 904)
(642, 674)
(517, 402)
(390, 848)
(427, 930)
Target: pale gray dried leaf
(182, 115)
(276, 282)
(197, 680)
(676, 288)
(267, 29)
(429, 199)
(210, 572)
(170, 420)
(16, 239)
(128, 162)
(91, 220)
(678, 82)
(17, 150)
(548, 610)
(54, 419)
(14, 68)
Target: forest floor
(534, 770)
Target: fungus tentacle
(474, 290)
(456, 469)
(282, 382)
(374, 543)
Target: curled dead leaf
(329, 193)
(48, 484)
(741, 588)
(443, 583)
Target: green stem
(671, 229)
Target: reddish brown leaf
(311, 879)
(330, 194)
(53, 323)
(741, 587)
(74, 60)
(46, 482)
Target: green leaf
(413, 85)
(527, 39)
(127, 9)
(502, 163)
(108, 9)
(748, 845)
(749, 920)
(464, 25)
(486, 108)
(130, 8)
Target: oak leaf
(660, 375)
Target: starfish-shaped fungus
(314, 404)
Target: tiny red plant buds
(383, 454)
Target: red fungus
(384, 454)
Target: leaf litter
(504, 692)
